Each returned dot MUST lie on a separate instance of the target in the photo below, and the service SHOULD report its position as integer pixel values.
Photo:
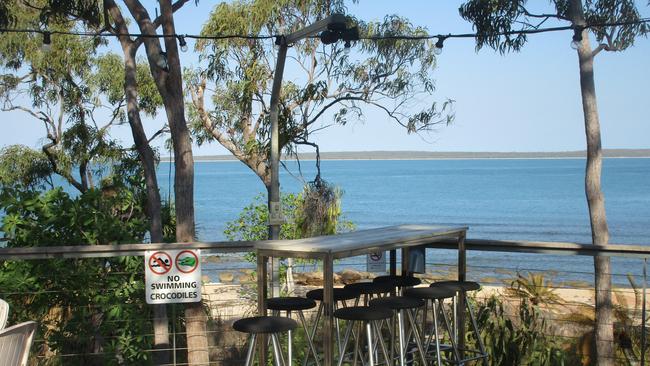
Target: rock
(226, 277)
(245, 278)
(350, 276)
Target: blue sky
(527, 101)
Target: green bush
(93, 308)
(520, 338)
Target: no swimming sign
(172, 276)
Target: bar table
(332, 247)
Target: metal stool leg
(277, 351)
(481, 346)
(402, 346)
(348, 332)
(371, 358)
(252, 342)
(454, 348)
(376, 325)
(418, 340)
(310, 342)
(435, 330)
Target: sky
(526, 101)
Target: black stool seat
(430, 292)
(365, 313)
(264, 324)
(459, 285)
(370, 288)
(340, 294)
(290, 303)
(399, 281)
(397, 302)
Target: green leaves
(78, 302)
(323, 85)
(492, 18)
(520, 337)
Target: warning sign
(376, 262)
(172, 276)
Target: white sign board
(172, 276)
(376, 262)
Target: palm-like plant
(533, 287)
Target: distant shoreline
(428, 155)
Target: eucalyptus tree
(126, 85)
(60, 88)
(614, 24)
(327, 86)
(165, 68)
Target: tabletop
(359, 242)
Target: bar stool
(368, 290)
(368, 317)
(402, 305)
(288, 305)
(341, 296)
(272, 325)
(461, 288)
(435, 296)
(400, 282)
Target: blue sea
(526, 199)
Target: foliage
(252, 223)
(93, 308)
(20, 165)
(493, 18)
(73, 91)
(75, 318)
(319, 209)
(629, 324)
(521, 338)
(534, 288)
(389, 75)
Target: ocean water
(526, 199)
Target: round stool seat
(290, 303)
(397, 302)
(366, 313)
(340, 294)
(370, 288)
(399, 281)
(430, 292)
(264, 324)
(459, 285)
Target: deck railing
(229, 292)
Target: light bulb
(182, 43)
(575, 44)
(440, 43)
(47, 42)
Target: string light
(47, 42)
(577, 37)
(440, 37)
(440, 43)
(347, 47)
(182, 43)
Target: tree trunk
(170, 86)
(195, 315)
(153, 206)
(604, 330)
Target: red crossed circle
(196, 261)
(160, 263)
